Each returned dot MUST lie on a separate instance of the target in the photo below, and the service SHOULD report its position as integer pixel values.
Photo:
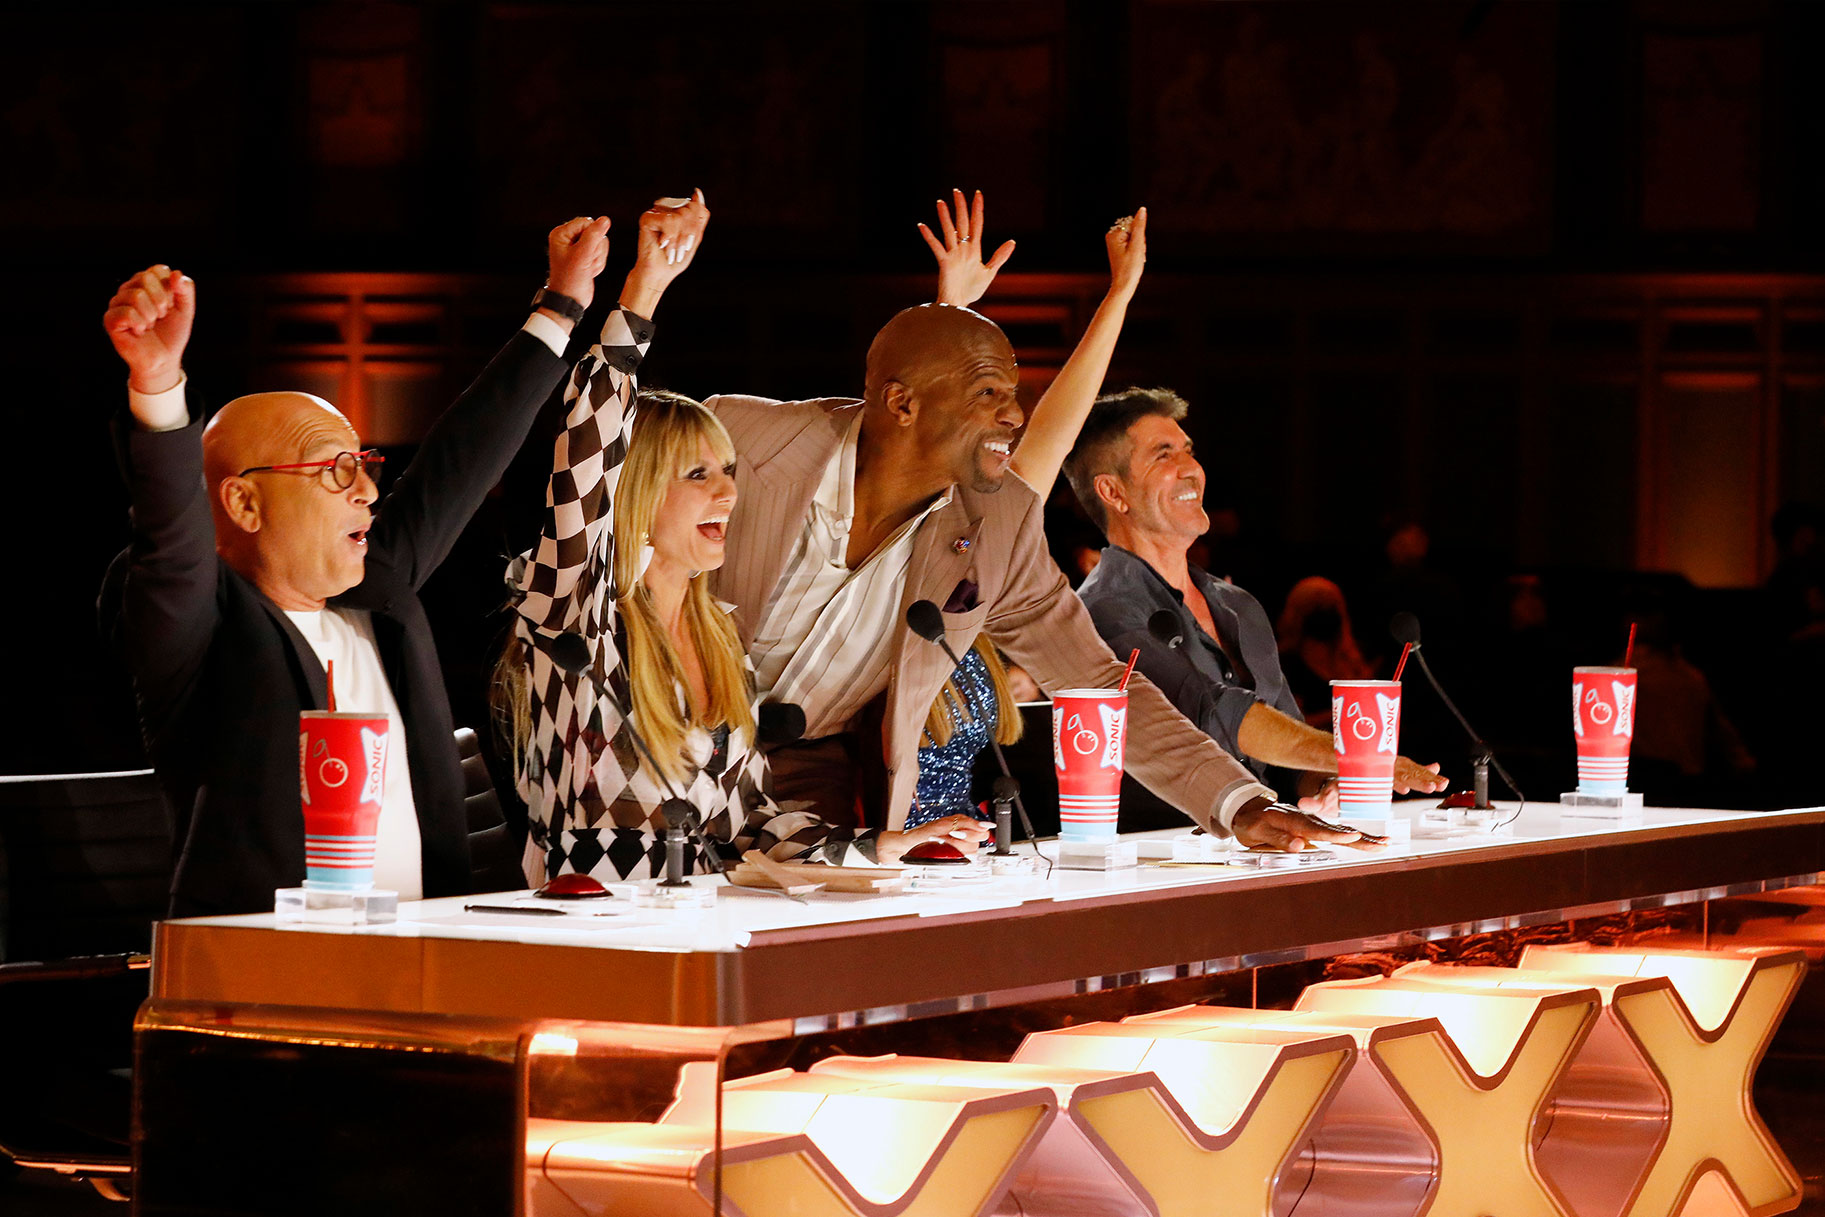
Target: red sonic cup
(1603, 723)
(1089, 738)
(342, 766)
(1365, 731)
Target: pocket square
(963, 597)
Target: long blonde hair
(669, 432)
(669, 429)
(943, 720)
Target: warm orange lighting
(1236, 1105)
(1483, 1086)
(1704, 1038)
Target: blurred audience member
(1686, 752)
(1797, 564)
(1317, 645)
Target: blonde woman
(977, 701)
(640, 494)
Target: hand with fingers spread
(578, 250)
(1127, 244)
(1263, 822)
(148, 321)
(1410, 777)
(964, 832)
(962, 274)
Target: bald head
(942, 401)
(930, 340)
(269, 429)
(294, 533)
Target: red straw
(329, 676)
(1629, 653)
(1123, 687)
(1406, 648)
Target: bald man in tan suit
(849, 511)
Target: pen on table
(512, 908)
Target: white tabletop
(741, 914)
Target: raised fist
(671, 232)
(578, 251)
(148, 321)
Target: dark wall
(1369, 151)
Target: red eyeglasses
(343, 470)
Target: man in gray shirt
(1133, 470)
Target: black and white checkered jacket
(594, 807)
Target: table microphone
(924, 619)
(682, 827)
(779, 722)
(1164, 625)
(1405, 629)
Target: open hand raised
(962, 274)
(148, 321)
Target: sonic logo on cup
(1058, 735)
(1337, 723)
(1390, 721)
(1083, 740)
(304, 787)
(1113, 722)
(1625, 708)
(374, 752)
(1577, 701)
(1600, 710)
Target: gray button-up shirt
(1207, 687)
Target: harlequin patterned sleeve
(568, 775)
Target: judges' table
(376, 1051)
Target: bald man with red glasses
(261, 552)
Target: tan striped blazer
(1023, 604)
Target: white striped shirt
(825, 638)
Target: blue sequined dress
(944, 772)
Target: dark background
(1541, 279)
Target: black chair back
(494, 858)
(85, 864)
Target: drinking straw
(1629, 651)
(1129, 671)
(329, 675)
(1406, 648)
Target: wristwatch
(558, 303)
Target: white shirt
(346, 636)
(825, 638)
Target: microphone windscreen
(924, 619)
(1164, 625)
(1405, 628)
(569, 651)
(679, 814)
(1006, 789)
(779, 722)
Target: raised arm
(467, 449)
(962, 274)
(1067, 400)
(577, 535)
(167, 608)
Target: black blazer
(221, 673)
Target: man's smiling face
(1163, 483)
(969, 412)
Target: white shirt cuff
(1232, 799)
(548, 332)
(167, 411)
